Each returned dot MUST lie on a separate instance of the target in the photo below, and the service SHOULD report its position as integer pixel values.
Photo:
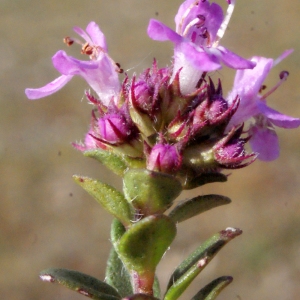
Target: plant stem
(143, 283)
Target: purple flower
(101, 72)
(247, 86)
(199, 27)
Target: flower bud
(179, 128)
(114, 129)
(230, 152)
(212, 156)
(164, 158)
(215, 109)
(91, 142)
(146, 95)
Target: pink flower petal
(160, 32)
(97, 35)
(49, 88)
(100, 74)
(83, 34)
(264, 141)
(278, 118)
(235, 61)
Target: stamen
(206, 35)
(225, 22)
(91, 50)
(87, 49)
(119, 69)
(198, 22)
(283, 76)
(201, 20)
(262, 88)
(69, 41)
(186, 14)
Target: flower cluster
(176, 119)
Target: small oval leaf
(111, 199)
(116, 231)
(204, 179)
(144, 243)
(196, 206)
(81, 283)
(213, 289)
(111, 160)
(116, 274)
(142, 246)
(115, 162)
(187, 271)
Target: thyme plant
(164, 131)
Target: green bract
(150, 192)
(142, 246)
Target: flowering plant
(167, 130)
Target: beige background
(48, 221)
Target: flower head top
(101, 72)
(199, 28)
(175, 120)
(247, 86)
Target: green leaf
(156, 288)
(144, 243)
(135, 162)
(117, 276)
(112, 161)
(204, 179)
(213, 289)
(112, 200)
(116, 232)
(196, 206)
(142, 246)
(116, 273)
(187, 271)
(116, 163)
(81, 283)
(150, 192)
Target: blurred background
(46, 220)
